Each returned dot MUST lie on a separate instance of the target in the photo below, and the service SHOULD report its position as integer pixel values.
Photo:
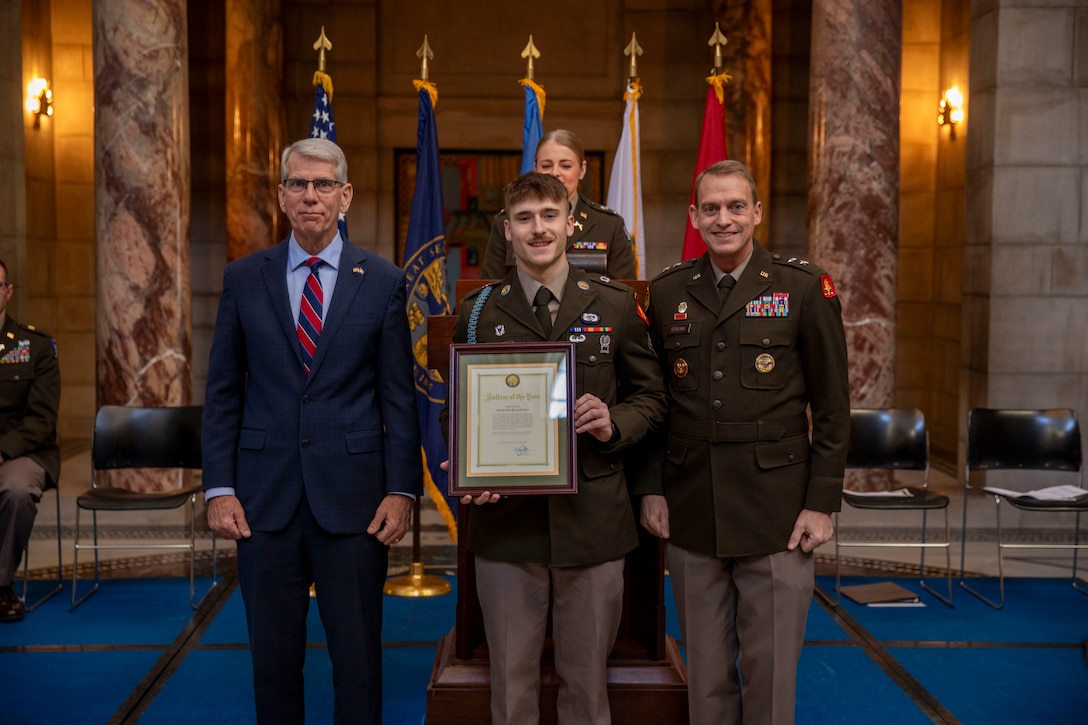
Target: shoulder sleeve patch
(827, 286)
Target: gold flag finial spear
(530, 52)
(321, 45)
(717, 40)
(634, 50)
(424, 53)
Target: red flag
(711, 150)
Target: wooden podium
(647, 680)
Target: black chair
(895, 439)
(1024, 440)
(30, 607)
(135, 438)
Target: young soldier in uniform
(748, 485)
(566, 548)
(598, 230)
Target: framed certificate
(512, 419)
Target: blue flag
(425, 267)
(322, 124)
(534, 122)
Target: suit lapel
(275, 281)
(752, 283)
(349, 278)
(513, 303)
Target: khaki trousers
(743, 620)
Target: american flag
(322, 124)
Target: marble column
(255, 125)
(747, 56)
(854, 178)
(141, 145)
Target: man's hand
(655, 515)
(392, 519)
(591, 416)
(811, 529)
(227, 518)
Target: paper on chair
(1051, 493)
(899, 492)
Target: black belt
(721, 432)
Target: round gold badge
(512, 381)
(680, 368)
(764, 363)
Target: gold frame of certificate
(512, 419)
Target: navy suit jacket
(344, 436)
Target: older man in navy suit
(311, 440)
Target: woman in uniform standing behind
(560, 153)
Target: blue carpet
(1002, 685)
(859, 665)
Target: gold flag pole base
(417, 584)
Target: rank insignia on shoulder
(827, 286)
(605, 279)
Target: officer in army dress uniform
(746, 495)
(599, 234)
(29, 454)
(568, 547)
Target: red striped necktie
(309, 314)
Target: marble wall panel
(1037, 125)
(1052, 195)
(1037, 335)
(1036, 45)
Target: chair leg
(947, 600)
(30, 607)
(75, 561)
(1079, 584)
(1000, 559)
(192, 560)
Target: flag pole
(416, 583)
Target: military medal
(681, 311)
(680, 368)
(606, 344)
(577, 338)
(764, 363)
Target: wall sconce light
(950, 111)
(39, 100)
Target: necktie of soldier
(309, 314)
(725, 286)
(540, 306)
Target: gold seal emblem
(680, 368)
(512, 381)
(764, 363)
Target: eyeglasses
(321, 186)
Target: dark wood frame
(565, 481)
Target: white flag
(625, 184)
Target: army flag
(711, 150)
(322, 124)
(534, 123)
(625, 184)
(425, 268)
